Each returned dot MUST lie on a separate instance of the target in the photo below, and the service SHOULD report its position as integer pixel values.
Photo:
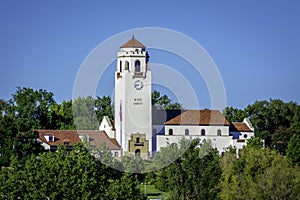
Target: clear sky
(255, 44)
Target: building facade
(141, 130)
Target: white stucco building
(141, 130)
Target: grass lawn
(152, 192)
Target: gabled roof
(199, 117)
(133, 43)
(60, 137)
(97, 138)
(239, 127)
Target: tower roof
(133, 43)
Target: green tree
(268, 116)
(193, 175)
(27, 110)
(84, 113)
(126, 188)
(135, 165)
(293, 150)
(31, 108)
(257, 174)
(56, 176)
(255, 142)
(281, 137)
(234, 114)
(163, 102)
(61, 116)
(104, 107)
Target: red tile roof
(60, 137)
(96, 138)
(239, 127)
(199, 117)
(133, 43)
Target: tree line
(201, 173)
(274, 121)
(191, 170)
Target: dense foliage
(258, 174)
(60, 176)
(274, 121)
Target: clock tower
(133, 120)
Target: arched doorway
(137, 152)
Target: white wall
(196, 130)
(219, 142)
(136, 104)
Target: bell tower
(133, 120)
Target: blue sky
(255, 44)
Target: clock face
(138, 84)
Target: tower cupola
(133, 57)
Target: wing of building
(51, 139)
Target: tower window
(137, 66)
(219, 132)
(170, 131)
(120, 66)
(126, 65)
(203, 132)
(137, 140)
(186, 132)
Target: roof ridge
(133, 43)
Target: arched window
(126, 65)
(137, 66)
(170, 131)
(186, 132)
(203, 132)
(120, 66)
(219, 132)
(137, 152)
